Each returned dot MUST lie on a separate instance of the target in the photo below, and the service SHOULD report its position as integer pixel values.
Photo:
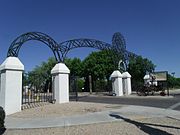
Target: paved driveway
(171, 102)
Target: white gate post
(60, 77)
(127, 83)
(11, 85)
(116, 78)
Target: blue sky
(151, 27)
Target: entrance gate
(11, 69)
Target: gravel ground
(151, 126)
(136, 125)
(66, 109)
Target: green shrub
(2, 117)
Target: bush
(2, 117)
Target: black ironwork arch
(118, 46)
(19, 41)
(83, 42)
(61, 50)
(118, 42)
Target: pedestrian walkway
(131, 112)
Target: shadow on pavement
(144, 126)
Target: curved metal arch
(118, 42)
(60, 50)
(83, 42)
(118, 46)
(19, 41)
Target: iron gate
(33, 94)
(73, 89)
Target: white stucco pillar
(127, 83)
(60, 78)
(116, 78)
(11, 85)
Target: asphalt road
(172, 102)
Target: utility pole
(90, 84)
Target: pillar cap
(116, 74)
(12, 63)
(60, 68)
(126, 75)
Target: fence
(33, 93)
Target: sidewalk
(131, 112)
(174, 92)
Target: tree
(40, 76)
(75, 66)
(138, 67)
(173, 82)
(100, 66)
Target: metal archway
(83, 42)
(61, 50)
(19, 41)
(118, 47)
